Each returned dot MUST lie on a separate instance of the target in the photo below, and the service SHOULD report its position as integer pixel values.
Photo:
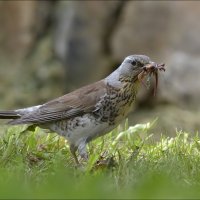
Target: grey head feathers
(130, 68)
(137, 59)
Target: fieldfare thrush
(93, 110)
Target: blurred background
(48, 48)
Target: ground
(126, 163)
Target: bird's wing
(72, 104)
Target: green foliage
(127, 163)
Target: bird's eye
(133, 62)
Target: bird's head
(133, 65)
(137, 67)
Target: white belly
(80, 129)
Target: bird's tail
(16, 115)
(11, 114)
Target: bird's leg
(83, 151)
(73, 150)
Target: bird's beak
(151, 66)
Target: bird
(92, 110)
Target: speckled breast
(115, 104)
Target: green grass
(126, 163)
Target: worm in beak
(151, 69)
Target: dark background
(48, 48)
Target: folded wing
(70, 105)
